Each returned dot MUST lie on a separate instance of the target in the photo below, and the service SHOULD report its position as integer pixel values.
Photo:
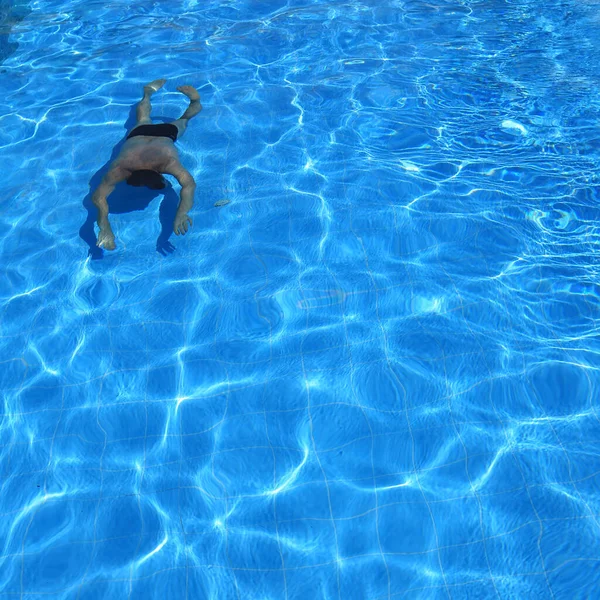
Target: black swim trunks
(155, 130)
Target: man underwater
(148, 152)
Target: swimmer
(148, 153)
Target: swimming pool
(373, 373)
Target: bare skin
(154, 154)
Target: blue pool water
(374, 373)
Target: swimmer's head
(149, 179)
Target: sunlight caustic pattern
(372, 374)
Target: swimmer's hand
(106, 239)
(181, 223)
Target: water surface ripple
(373, 374)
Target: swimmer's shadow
(126, 198)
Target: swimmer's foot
(154, 86)
(189, 91)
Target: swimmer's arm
(104, 190)
(188, 187)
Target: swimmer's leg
(191, 111)
(143, 108)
